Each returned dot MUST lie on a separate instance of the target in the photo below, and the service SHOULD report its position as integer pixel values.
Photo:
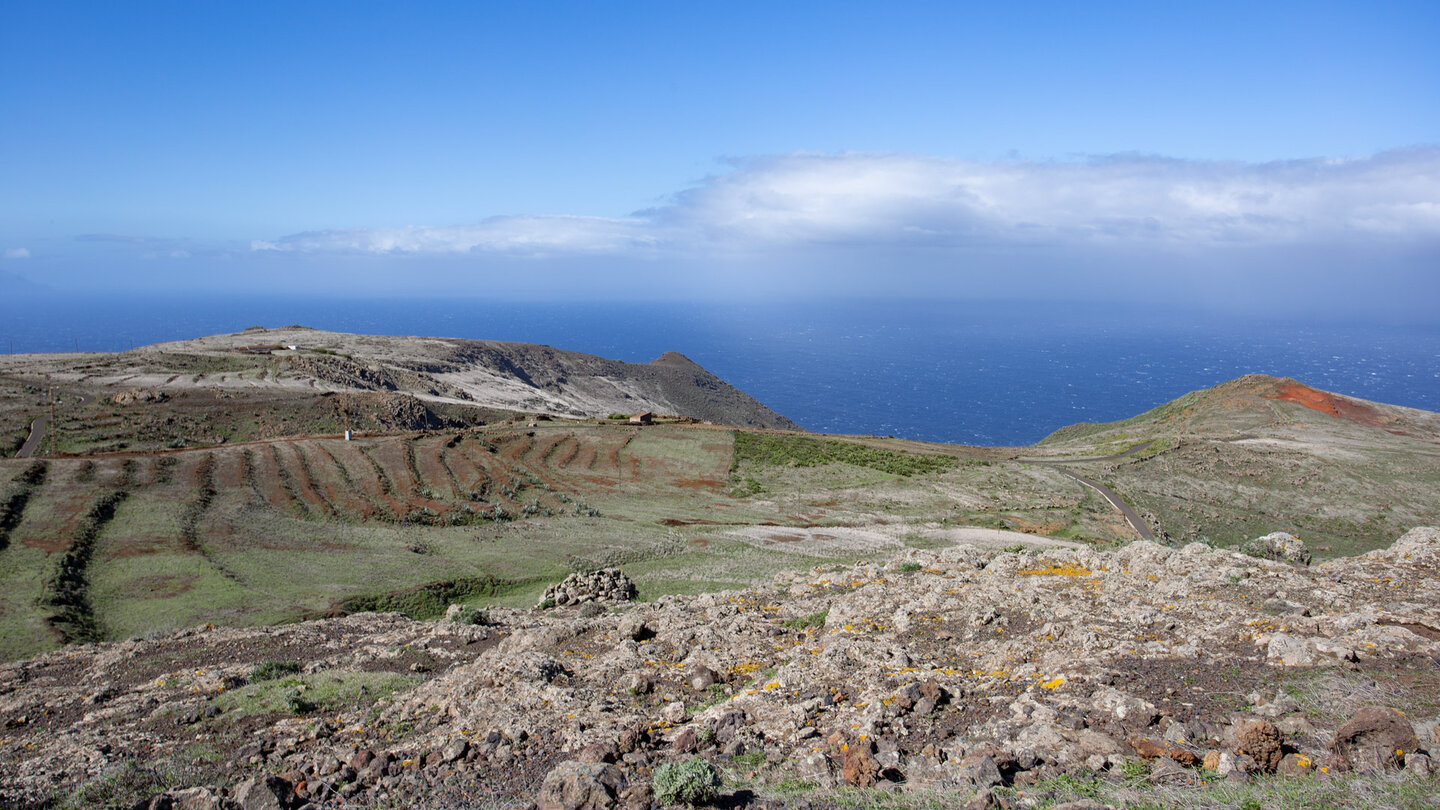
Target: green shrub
(272, 669)
(692, 782)
(909, 567)
(469, 614)
(816, 619)
(297, 704)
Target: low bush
(693, 782)
(272, 669)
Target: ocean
(989, 373)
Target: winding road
(1109, 494)
(37, 431)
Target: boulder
(859, 767)
(1151, 748)
(979, 770)
(1278, 546)
(264, 793)
(1375, 738)
(573, 785)
(1261, 741)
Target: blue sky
(1154, 151)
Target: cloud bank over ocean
(901, 201)
(1355, 236)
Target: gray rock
(674, 712)
(268, 792)
(195, 798)
(575, 785)
(455, 749)
(1278, 546)
(605, 585)
(979, 771)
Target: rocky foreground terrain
(988, 679)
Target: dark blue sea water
(975, 373)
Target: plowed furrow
(348, 493)
(296, 467)
(431, 468)
(392, 461)
(385, 492)
(264, 475)
(540, 450)
(469, 462)
(563, 455)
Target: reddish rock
(1151, 748)
(1375, 738)
(685, 742)
(1295, 765)
(1261, 741)
(860, 768)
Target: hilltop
(281, 378)
(1262, 452)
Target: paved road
(37, 432)
(1131, 516)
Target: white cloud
(899, 199)
(17, 253)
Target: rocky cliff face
(957, 670)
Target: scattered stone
(1295, 765)
(984, 800)
(195, 798)
(138, 396)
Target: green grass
(816, 619)
(430, 600)
(807, 451)
(323, 692)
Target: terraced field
(266, 531)
(110, 546)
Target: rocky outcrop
(1279, 546)
(605, 585)
(957, 670)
